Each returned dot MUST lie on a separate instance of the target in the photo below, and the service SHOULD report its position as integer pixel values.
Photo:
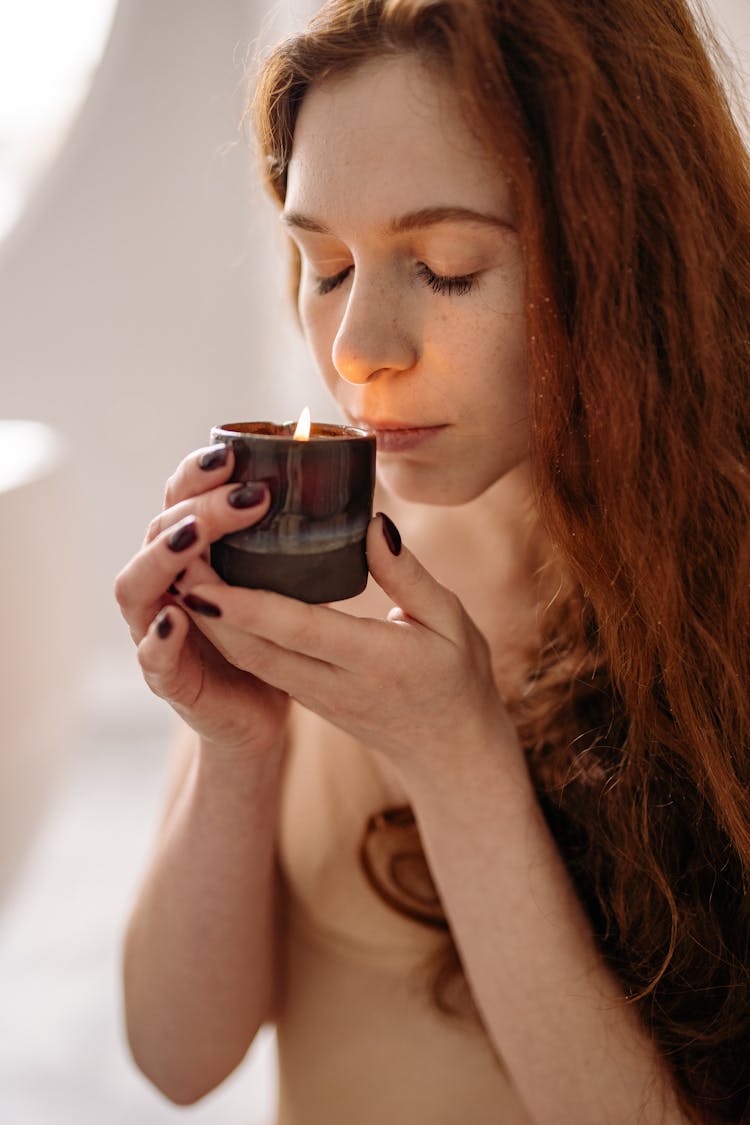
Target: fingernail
(247, 495)
(184, 535)
(391, 534)
(164, 624)
(200, 605)
(214, 458)
(172, 589)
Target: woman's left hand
(413, 686)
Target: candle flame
(302, 432)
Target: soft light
(302, 432)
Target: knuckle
(144, 659)
(155, 683)
(171, 489)
(483, 645)
(152, 678)
(413, 577)
(183, 480)
(455, 605)
(154, 528)
(257, 659)
(121, 589)
(157, 679)
(304, 634)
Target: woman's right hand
(222, 704)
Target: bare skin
(174, 979)
(414, 316)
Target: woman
(489, 864)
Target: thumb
(402, 577)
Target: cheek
(509, 341)
(501, 333)
(486, 346)
(510, 388)
(493, 393)
(319, 327)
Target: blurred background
(142, 299)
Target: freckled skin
(371, 146)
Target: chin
(426, 484)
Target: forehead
(389, 137)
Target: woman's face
(411, 294)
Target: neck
(505, 522)
(494, 553)
(497, 532)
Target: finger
(140, 587)
(197, 571)
(413, 590)
(160, 652)
(202, 469)
(212, 506)
(220, 612)
(317, 631)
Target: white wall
(731, 19)
(142, 295)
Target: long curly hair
(633, 189)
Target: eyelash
(449, 286)
(324, 285)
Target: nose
(376, 336)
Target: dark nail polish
(183, 535)
(163, 625)
(247, 495)
(391, 534)
(214, 458)
(172, 588)
(200, 605)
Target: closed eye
(324, 285)
(450, 286)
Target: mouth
(399, 437)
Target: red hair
(633, 188)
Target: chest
(333, 784)
(332, 787)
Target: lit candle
(311, 543)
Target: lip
(399, 437)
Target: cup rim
(236, 430)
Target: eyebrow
(412, 220)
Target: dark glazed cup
(311, 543)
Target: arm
(200, 969)
(200, 965)
(419, 688)
(556, 1014)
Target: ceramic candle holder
(311, 543)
